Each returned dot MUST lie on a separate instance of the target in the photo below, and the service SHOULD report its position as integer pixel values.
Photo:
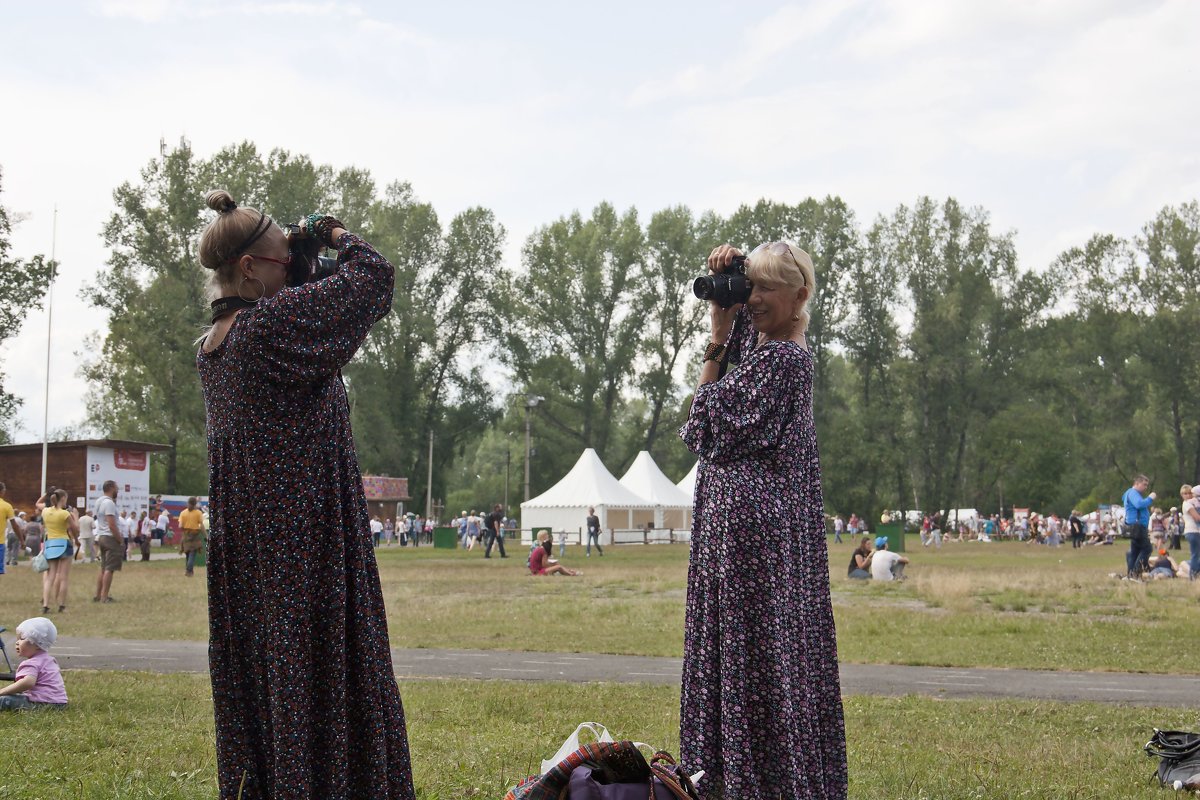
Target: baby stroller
(6, 676)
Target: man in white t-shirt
(162, 526)
(87, 536)
(886, 565)
(125, 523)
(108, 539)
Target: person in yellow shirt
(191, 522)
(8, 531)
(62, 532)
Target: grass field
(969, 604)
(137, 736)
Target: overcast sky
(1062, 118)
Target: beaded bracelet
(715, 351)
(321, 227)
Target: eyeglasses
(778, 249)
(287, 262)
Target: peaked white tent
(564, 506)
(672, 505)
(688, 484)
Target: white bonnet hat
(40, 631)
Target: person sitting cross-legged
(886, 565)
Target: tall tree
(959, 277)
(676, 248)
(573, 324)
(418, 374)
(22, 289)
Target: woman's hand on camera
(721, 257)
(722, 321)
(323, 228)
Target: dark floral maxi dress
(304, 691)
(761, 708)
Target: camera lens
(703, 287)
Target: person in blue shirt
(1137, 521)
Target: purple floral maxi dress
(304, 691)
(761, 708)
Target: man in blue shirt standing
(1137, 521)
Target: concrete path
(879, 679)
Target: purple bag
(666, 781)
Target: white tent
(688, 484)
(564, 506)
(672, 505)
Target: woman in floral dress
(761, 704)
(304, 691)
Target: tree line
(947, 374)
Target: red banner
(130, 459)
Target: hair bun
(220, 201)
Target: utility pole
(531, 402)
(429, 480)
(507, 461)
(49, 330)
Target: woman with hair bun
(304, 691)
(761, 709)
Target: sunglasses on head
(779, 249)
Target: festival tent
(564, 506)
(672, 505)
(688, 484)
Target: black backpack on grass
(1179, 752)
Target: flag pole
(49, 329)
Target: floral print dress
(304, 691)
(761, 709)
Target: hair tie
(230, 206)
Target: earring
(795, 317)
(260, 294)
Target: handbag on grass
(663, 779)
(608, 771)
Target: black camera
(308, 265)
(726, 288)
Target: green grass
(138, 736)
(969, 604)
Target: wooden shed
(80, 467)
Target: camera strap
(223, 305)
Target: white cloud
(160, 10)
(735, 61)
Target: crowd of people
(1152, 529)
(57, 535)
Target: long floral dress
(761, 704)
(304, 691)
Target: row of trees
(946, 374)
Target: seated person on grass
(540, 562)
(1163, 566)
(39, 682)
(886, 565)
(860, 561)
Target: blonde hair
(543, 536)
(1185, 489)
(220, 240)
(792, 269)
